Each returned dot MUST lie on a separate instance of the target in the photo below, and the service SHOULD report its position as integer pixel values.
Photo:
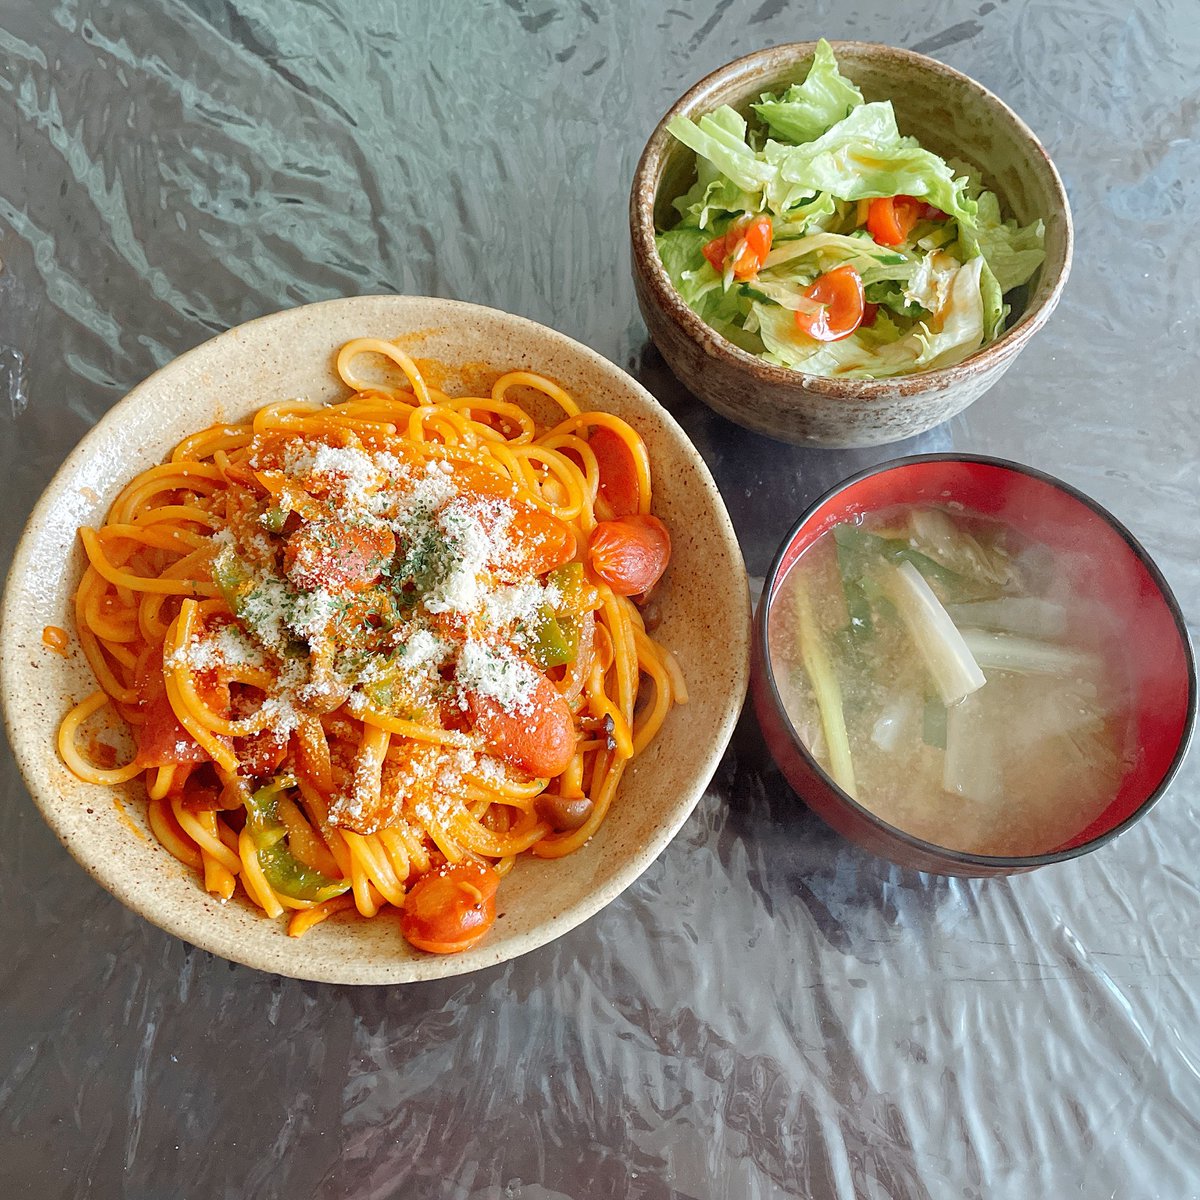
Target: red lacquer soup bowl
(1107, 563)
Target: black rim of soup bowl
(932, 849)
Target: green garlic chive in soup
(946, 673)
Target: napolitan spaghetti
(372, 651)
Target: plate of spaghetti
(376, 640)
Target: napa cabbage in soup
(948, 673)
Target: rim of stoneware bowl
(644, 195)
(964, 857)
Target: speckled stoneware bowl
(950, 114)
(705, 606)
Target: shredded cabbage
(812, 158)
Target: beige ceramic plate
(706, 622)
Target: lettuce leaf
(865, 354)
(962, 319)
(864, 156)
(1013, 252)
(970, 173)
(707, 202)
(726, 313)
(682, 253)
(995, 311)
(843, 247)
(806, 110)
(720, 138)
(809, 214)
(788, 347)
(882, 332)
(889, 293)
(931, 280)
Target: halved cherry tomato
(714, 251)
(629, 554)
(840, 294)
(333, 554)
(870, 312)
(618, 471)
(537, 542)
(540, 742)
(161, 740)
(744, 247)
(891, 218)
(751, 253)
(450, 908)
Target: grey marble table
(769, 1012)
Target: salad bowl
(950, 115)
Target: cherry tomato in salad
(840, 294)
(714, 251)
(450, 908)
(752, 249)
(890, 219)
(618, 471)
(629, 554)
(744, 248)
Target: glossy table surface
(768, 1012)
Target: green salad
(819, 238)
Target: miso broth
(948, 674)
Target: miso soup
(949, 674)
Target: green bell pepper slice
(287, 874)
(274, 519)
(568, 579)
(282, 869)
(555, 641)
(555, 636)
(233, 580)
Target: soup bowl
(1107, 563)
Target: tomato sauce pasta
(372, 651)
